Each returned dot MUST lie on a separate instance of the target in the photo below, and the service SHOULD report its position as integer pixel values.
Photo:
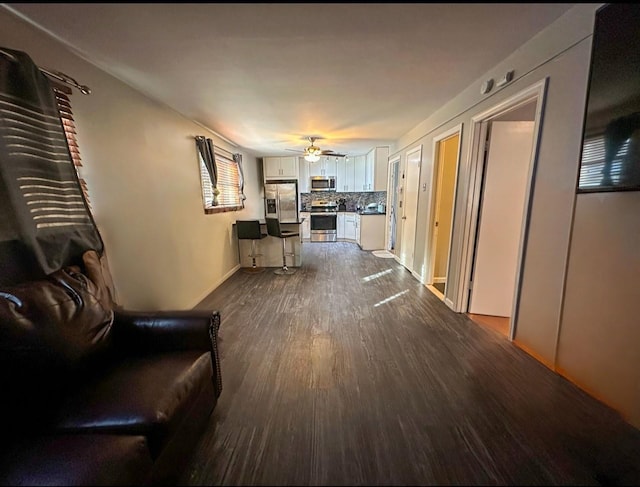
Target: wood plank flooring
(350, 372)
(497, 323)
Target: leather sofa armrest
(163, 331)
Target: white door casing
(467, 213)
(434, 204)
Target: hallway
(350, 372)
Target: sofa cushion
(51, 331)
(57, 321)
(144, 395)
(77, 460)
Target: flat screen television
(610, 156)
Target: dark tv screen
(610, 159)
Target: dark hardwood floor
(350, 372)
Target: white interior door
(392, 208)
(501, 218)
(410, 207)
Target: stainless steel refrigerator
(281, 201)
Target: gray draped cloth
(45, 223)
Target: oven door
(324, 227)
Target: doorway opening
(446, 157)
(504, 148)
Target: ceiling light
(312, 157)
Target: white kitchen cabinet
(371, 231)
(315, 168)
(357, 227)
(303, 172)
(306, 225)
(326, 166)
(359, 171)
(344, 175)
(340, 176)
(350, 226)
(369, 170)
(349, 175)
(340, 226)
(280, 167)
(381, 169)
(330, 166)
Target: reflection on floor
(497, 323)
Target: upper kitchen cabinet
(376, 167)
(280, 167)
(345, 175)
(359, 173)
(303, 180)
(326, 166)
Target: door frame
(392, 177)
(430, 246)
(476, 157)
(407, 155)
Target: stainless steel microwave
(322, 183)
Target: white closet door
(501, 218)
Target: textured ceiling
(268, 75)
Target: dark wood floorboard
(350, 372)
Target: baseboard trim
(418, 277)
(535, 355)
(215, 286)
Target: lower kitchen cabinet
(366, 230)
(346, 223)
(340, 226)
(371, 231)
(306, 225)
(350, 226)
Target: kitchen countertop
(359, 212)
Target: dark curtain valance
(45, 223)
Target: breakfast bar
(269, 249)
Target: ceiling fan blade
(296, 150)
(331, 153)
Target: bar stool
(273, 229)
(250, 230)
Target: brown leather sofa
(93, 395)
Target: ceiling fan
(312, 153)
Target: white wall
(561, 53)
(599, 343)
(579, 282)
(142, 171)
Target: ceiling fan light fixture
(312, 157)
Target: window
(229, 197)
(66, 115)
(592, 164)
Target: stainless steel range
(324, 221)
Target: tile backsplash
(351, 199)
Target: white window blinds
(68, 123)
(229, 194)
